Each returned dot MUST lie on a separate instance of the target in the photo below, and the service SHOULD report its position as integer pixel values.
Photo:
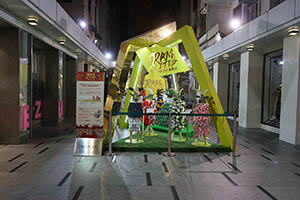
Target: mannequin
(201, 125)
(178, 122)
(135, 113)
(149, 120)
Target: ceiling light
(108, 55)
(226, 56)
(218, 37)
(82, 24)
(250, 47)
(166, 33)
(294, 30)
(235, 23)
(78, 51)
(209, 63)
(281, 62)
(61, 40)
(95, 41)
(33, 20)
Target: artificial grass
(166, 129)
(160, 144)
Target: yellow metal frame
(186, 36)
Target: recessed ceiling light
(33, 20)
(294, 30)
(61, 40)
(226, 56)
(78, 51)
(250, 47)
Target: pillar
(70, 92)
(250, 89)
(290, 104)
(9, 86)
(50, 89)
(220, 80)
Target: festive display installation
(201, 124)
(160, 57)
(178, 121)
(135, 113)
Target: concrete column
(290, 99)
(80, 65)
(70, 95)
(221, 82)
(9, 86)
(50, 89)
(250, 89)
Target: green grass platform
(166, 129)
(160, 144)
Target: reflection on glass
(272, 89)
(60, 83)
(234, 88)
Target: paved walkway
(46, 170)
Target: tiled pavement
(46, 169)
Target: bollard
(110, 133)
(187, 129)
(234, 143)
(169, 153)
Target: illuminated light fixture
(95, 41)
(281, 62)
(78, 51)
(218, 37)
(33, 20)
(61, 40)
(235, 23)
(183, 57)
(89, 58)
(294, 30)
(82, 24)
(209, 63)
(108, 56)
(166, 33)
(226, 56)
(250, 47)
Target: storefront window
(24, 83)
(60, 84)
(272, 88)
(234, 88)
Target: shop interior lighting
(235, 23)
(82, 24)
(250, 47)
(166, 33)
(226, 56)
(108, 56)
(294, 30)
(61, 40)
(33, 20)
(95, 41)
(281, 62)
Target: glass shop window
(24, 84)
(211, 73)
(37, 84)
(272, 79)
(60, 85)
(252, 11)
(233, 88)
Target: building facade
(253, 49)
(41, 49)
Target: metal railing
(169, 152)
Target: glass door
(233, 88)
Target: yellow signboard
(162, 61)
(152, 84)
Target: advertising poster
(89, 105)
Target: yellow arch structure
(186, 36)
